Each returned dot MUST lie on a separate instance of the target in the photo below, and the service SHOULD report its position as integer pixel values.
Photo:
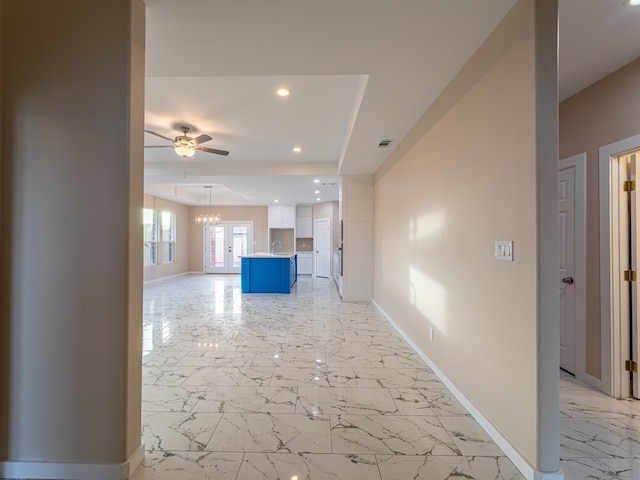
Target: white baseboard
(134, 461)
(548, 476)
(594, 382)
(170, 277)
(521, 464)
(73, 471)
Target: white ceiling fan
(187, 146)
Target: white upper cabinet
(282, 216)
(305, 211)
(288, 217)
(304, 222)
(304, 227)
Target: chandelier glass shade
(207, 217)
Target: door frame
(228, 223)
(579, 162)
(315, 241)
(613, 239)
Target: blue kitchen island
(269, 273)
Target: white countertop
(270, 255)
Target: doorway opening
(224, 246)
(619, 246)
(572, 257)
(629, 263)
(323, 247)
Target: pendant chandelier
(207, 217)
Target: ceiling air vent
(384, 143)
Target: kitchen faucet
(273, 246)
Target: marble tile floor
(300, 386)
(599, 435)
(304, 386)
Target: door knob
(568, 280)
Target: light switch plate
(504, 250)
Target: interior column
(72, 79)
(356, 210)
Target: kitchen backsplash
(304, 244)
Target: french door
(224, 246)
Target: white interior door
(323, 247)
(224, 246)
(566, 271)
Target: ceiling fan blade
(159, 146)
(212, 150)
(201, 139)
(161, 136)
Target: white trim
(169, 277)
(73, 471)
(579, 162)
(548, 476)
(610, 291)
(228, 243)
(521, 464)
(315, 243)
(134, 461)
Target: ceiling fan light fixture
(186, 146)
(185, 151)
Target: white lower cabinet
(305, 263)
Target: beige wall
(603, 113)
(5, 279)
(189, 239)
(183, 243)
(465, 180)
(258, 215)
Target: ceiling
(359, 71)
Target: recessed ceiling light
(318, 199)
(276, 200)
(283, 92)
(316, 181)
(297, 149)
(317, 192)
(632, 3)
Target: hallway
(294, 386)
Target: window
(168, 237)
(150, 236)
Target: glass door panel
(225, 244)
(240, 245)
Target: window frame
(168, 236)
(150, 242)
